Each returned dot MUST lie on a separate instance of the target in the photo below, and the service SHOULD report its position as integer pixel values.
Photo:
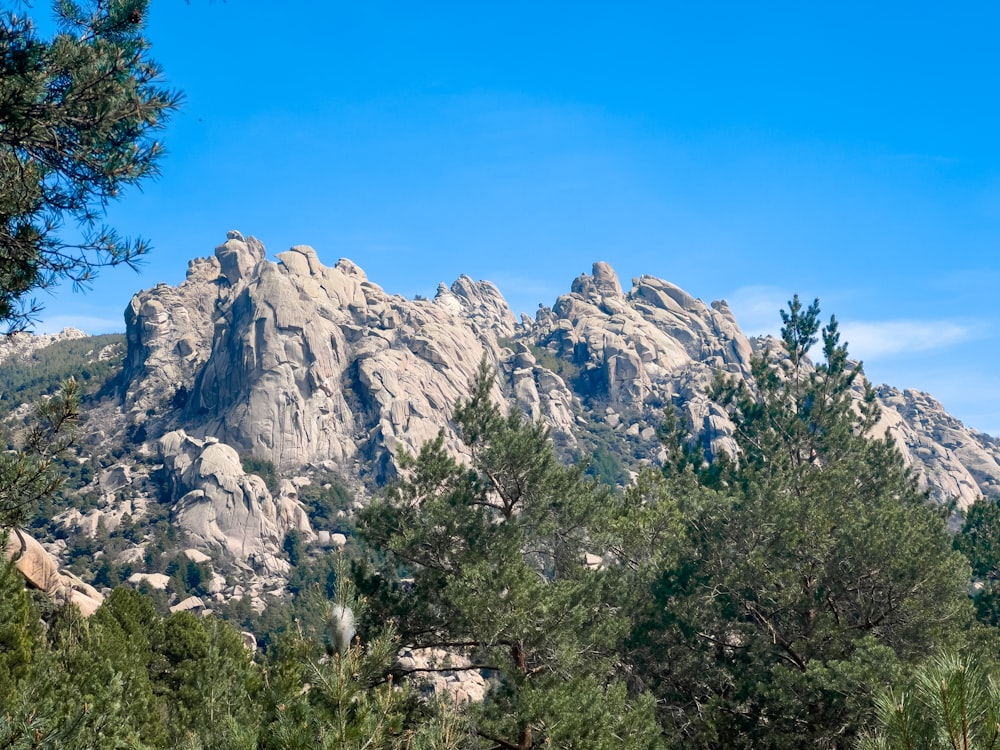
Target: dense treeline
(802, 593)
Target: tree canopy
(816, 568)
(78, 117)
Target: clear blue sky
(743, 151)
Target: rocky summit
(316, 371)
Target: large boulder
(219, 506)
(41, 571)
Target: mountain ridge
(318, 372)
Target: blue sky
(841, 151)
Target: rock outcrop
(299, 363)
(952, 461)
(219, 506)
(316, 369)
(643, 350)
(41, 571)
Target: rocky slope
(23, 344)
(296, 362)
(317, 369)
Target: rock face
(642, 350)
(317, 369)
(298, 363)
(951, 460)
(219, 506)
(41, 571)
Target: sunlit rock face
(300, 363)
(219, 506)
(41, 571)
(296, 362)
(951, 461)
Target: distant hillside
(31, 367)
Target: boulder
(41, 571)
(219, 506)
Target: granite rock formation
(220, 507)
(299, 363)
(41, 571)
(317, 369)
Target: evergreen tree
(28, 474)
(815, 568)
(979, 541)
(950, 703)
(18, 639)
(89, 688)
(496, 548)
(77, 118)
(206, 678)
(320, 692)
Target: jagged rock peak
(238, 256)
(294, 361)
(485, 304)
(602, 283)
(953, 461)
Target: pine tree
(950, 703)
(77, 118)
(18, 639)
(979, 541)
(815, 566)
(496, 548)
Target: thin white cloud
(757, 308)
(871, 340)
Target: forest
(800, 592)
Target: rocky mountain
(316, 372)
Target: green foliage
(606, 468)
(317, 696)
(568, 371)
(127, 678)
(187, 577)
(264, 469)
(496, 551)
(207, 678)
(18, 640)
(78, 115)
(293, 546)
(979, 538)
(27, 474)
(979, 541)
(91, 361)
(950, 702)
(815, 565)
(324, 499)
